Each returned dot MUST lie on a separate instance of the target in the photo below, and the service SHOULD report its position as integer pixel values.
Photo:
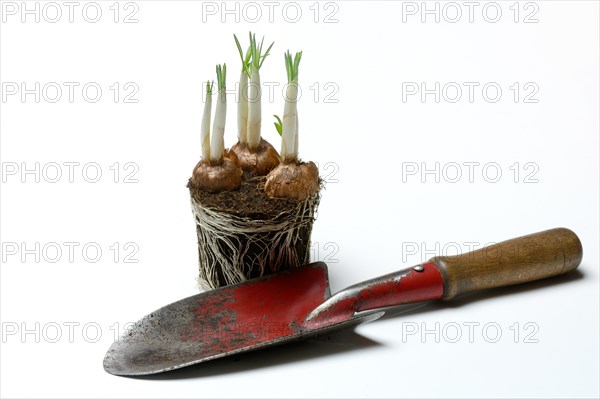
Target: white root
(242, 108)
(254, 110)
(228, 244)
(205, 127)
(217, 144)
(289, 149)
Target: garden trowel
(297, 304)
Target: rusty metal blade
(247, 316)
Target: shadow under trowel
(313, 348)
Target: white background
(374, 218)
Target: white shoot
(242, 107)
(254, 95)
(297, 135)
(205, 127)
(217, 144)
(289, 142)
(254, 110)
(243, 95)
(289, 125)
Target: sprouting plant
(255, 155)
(218, 170)
(291, 178)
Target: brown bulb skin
(216, 177)
(298, 180)
(260, 160)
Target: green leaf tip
(221, 76)
(278, 125)
(266, 54)
(291, 65)
(256, 52)
(209, 87)
(246, 59)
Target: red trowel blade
(225, 321)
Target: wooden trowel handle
(532, 257)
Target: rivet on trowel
(418, 268)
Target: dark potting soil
(249, 201)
